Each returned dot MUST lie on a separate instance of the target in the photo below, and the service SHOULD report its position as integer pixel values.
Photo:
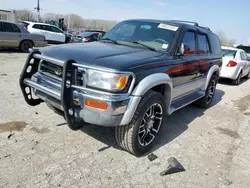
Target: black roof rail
(207, 28)
(187, 22)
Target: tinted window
(229, 53)
(36, 26)
(189, 42)
(56, 30)
(203, 46)
(16, 29)
(215, 44)
(242, 56)
(42, 27)
(7, 27)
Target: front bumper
(71, 99)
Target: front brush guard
(30, 68)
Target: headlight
(105, 80)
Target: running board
(184, 101)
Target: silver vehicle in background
(15, 36)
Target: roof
(9, 11)
(177, 23)
(229, 48)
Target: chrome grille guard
(69, 83)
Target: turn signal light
(122, 82)
(231, 64)
(96, 104)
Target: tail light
(231, 64)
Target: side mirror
(184, 49)
(248, 58)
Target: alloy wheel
(150, 124)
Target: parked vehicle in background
(245, 48)
(15, 36)
(91, 36)
(236, 64)
(53, 34)
(140, 71)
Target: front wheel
(139, 136)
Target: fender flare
(213, 69)
(141, 89)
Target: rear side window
(9, 27)
(215, 44)
(189, 43)
(16, 29)
(243, 56)
(42, 27)
(36, 26)
(203, 46)
(55, 30)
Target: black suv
(139, 71)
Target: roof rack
(187, 22)
(192, 23)
(207, 28)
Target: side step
(184, 101)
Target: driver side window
(189, 43)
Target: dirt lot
(37, 149)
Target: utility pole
(38, 11)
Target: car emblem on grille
(58, 72)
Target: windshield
(230, 53)
(156, 36)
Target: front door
(184, 75)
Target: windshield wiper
(144, 45)
(109, 39)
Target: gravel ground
(37, 149)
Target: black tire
(128, 136)
(237, 80)
(25, 46)
(206, 101)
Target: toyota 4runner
(138, 72)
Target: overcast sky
(230, 16)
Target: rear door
(204, 53)
(11, 35)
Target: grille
(57, 71)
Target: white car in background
(236, 64)
(53, 34)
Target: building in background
(7, 15)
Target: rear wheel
(237, 80)
(25, 46)
(206, 101)
(139, 136)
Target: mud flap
(67, 94)
(30, 68)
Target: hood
(101, 54)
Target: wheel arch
(160, 82)
(26, 40)
(215, 69)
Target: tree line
(71, 21)
(74, 21)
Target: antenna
(38, 10)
